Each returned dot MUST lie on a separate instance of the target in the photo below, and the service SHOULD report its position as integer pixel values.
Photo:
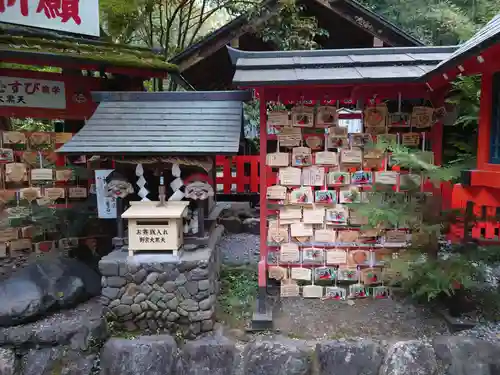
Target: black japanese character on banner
(20, 99)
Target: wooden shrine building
(479, 192)
(349, 25)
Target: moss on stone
(113, 54)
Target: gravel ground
(240, 249)
(368, 318)
(488, 332)
(317, 319)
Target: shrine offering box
(155, 228)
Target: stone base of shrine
(153, 292)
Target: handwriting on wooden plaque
(290, 176)
(278, 159)
(64, 175)
(289, 288)
(6, 155)
(338, 178)
(312, 291)
(289, 253)
(326, 158)
(315, 142)
(301, 156)
(313, 176)
(77, 192)
(290, 213)
(61, 138)
(325, 235)
(347, 236)
(313, 215)
(14, 138)
(325, 197)
(278, 118)
(277, 272)
(290, 137)
(422, 117)
(337, 215)
(42, 174)
(276, 192)
(15, 172)
(351, 156)
(386, 178)
(301, 274)
(301, 230)
(54, 193)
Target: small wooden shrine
(316, 168)
(163, 147)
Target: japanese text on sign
(152, 235)
(35, 93)
(73, 16)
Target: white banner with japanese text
(106, 206)
(72, 16)
(34, 93)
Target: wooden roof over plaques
(341, 66)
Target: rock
(127, 300)
(104, 282)
(121, 310)
(198, 274)
(208, 356)
(7, 362)
(136, 309)
(251, 225)
(173, 316)
(169, 286)
(198, 316)
(155, 296)
(207, 325)
(110, 293)
(192, 287)
(108, 268)
(151, 305)
(152, 277)
(182, 292)
(182, 312)
(145, 288)
(349, 357)
(152, 325)
(173, 303)
(207, 303)
(203, 284)
(232, 224)
(46, 284)
(410, 358)
(144, 355)
(116, 281)
(180, 280)
(465, 356)
(167, 297)
(161, 305)
(140, 297)
(57, 361)
(277, 357)
(139, 276)
(189, 305)
(144, 305)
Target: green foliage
(238, 292)
(426, 278)
(32, 125)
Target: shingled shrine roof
(341, 66)
(166, 123)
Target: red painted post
(263, 190)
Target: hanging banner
(106, 206)
(46, 95)
(72, 16)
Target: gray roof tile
(335, 66)
(183, 127)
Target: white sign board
(106, 206)
(31, 92)
(72, 16)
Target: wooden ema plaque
(155, 228)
